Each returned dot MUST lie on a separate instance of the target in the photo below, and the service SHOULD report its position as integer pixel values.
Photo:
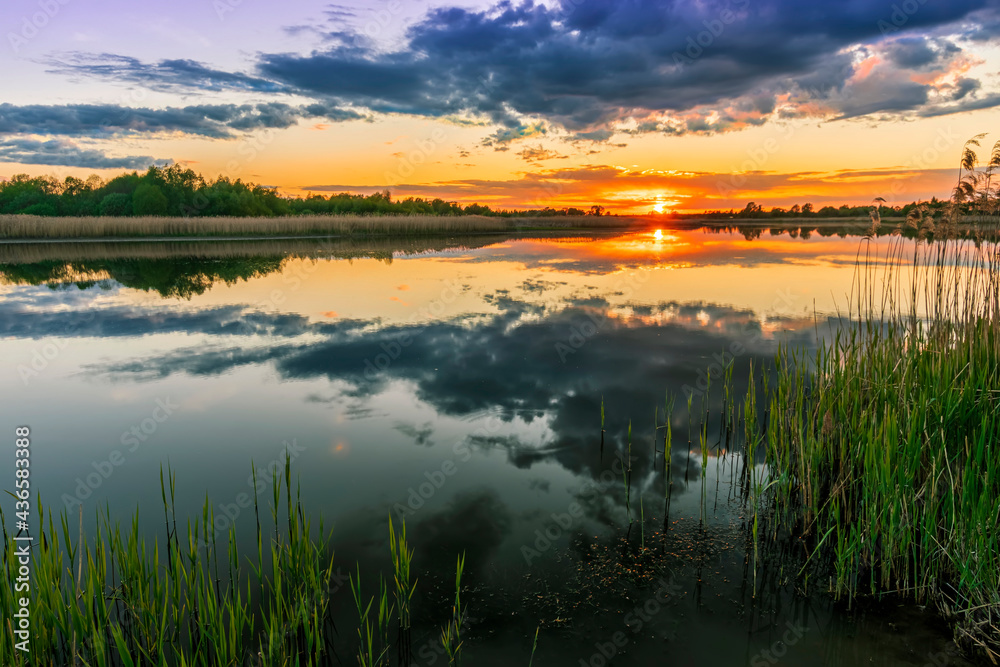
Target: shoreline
(33, 229)
(303, 237)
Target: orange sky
(549, 122)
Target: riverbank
(31, 227)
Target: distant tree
(476, 209)
(149, 200)
(44, 208)
(125, 184)
(116, 204)
(176, 190)
(751, 210)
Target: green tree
(44, 208)
(149, 200)
(116, 204)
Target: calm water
(457, 384)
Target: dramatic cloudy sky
(633, 104)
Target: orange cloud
(629, 191)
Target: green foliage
(451, 634)
(176, 191)
(148, 199)
(881, 453)
(179, 277)
(116, 597)
(42, 208)
(754, 210)
(115, 204)
(124, 600)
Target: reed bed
(882, 451)
(114, 599)
(880, 470)
(99, 227)
(340, 248)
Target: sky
(635, 105)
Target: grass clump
(118, 600)
(883, 452)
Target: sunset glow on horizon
(644, 107)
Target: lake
(458, 384)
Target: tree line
(754, 210)
(176, 191)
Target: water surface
(456, 383)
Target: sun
(658, 234)
(659, 207)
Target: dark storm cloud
(588, 62)
(20, 319)
(918, 52)
(987, 102)
(208, 120)
(63, 153)
(514, 369)
(421, 435)
(965, 86)
(164, 75)
(474, 523)
(583, 64)
(983, 26)
(888, 94)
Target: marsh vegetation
(30, 227)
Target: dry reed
(36, 227)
